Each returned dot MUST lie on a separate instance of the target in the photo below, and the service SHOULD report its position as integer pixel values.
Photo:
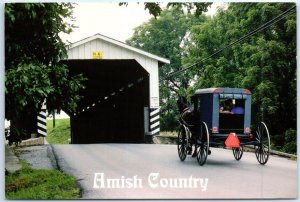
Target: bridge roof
(120, 45)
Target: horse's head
(182, 103)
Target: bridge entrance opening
(112, 108)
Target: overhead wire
(251, 33)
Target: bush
(290, 139)
(168, 122)
(14, 135)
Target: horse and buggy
(208, 124)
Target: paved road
(227, 178)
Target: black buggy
(214, 126)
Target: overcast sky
(108, 19)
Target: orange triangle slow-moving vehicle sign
(232, 141)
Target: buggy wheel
(238, 153)
(262, 150)
(182, 143)
(203, 144)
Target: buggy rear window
(233, 96)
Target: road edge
(58, 167)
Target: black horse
(188, 117)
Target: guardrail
(173, 140)
(283, 154)
(278, 153)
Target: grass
(28, 183)
(60, 134)
(168, 133)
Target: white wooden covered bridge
(121, 99)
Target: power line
(259, 29)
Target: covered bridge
(121, 99)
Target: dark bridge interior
(113, 102)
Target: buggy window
(197, 103)
(225, 105)
(232, 117)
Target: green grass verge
(60, 134)
(168, 133)
(28, 183)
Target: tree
(155, 8)
(165, 36)
(33, 73)
(265, 63)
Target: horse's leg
(190, 143)
(195, 151)
(196, 145)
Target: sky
(109, 19)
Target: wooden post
(53, 118)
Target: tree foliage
(33, 50)
(155, 9)
(265, 63)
